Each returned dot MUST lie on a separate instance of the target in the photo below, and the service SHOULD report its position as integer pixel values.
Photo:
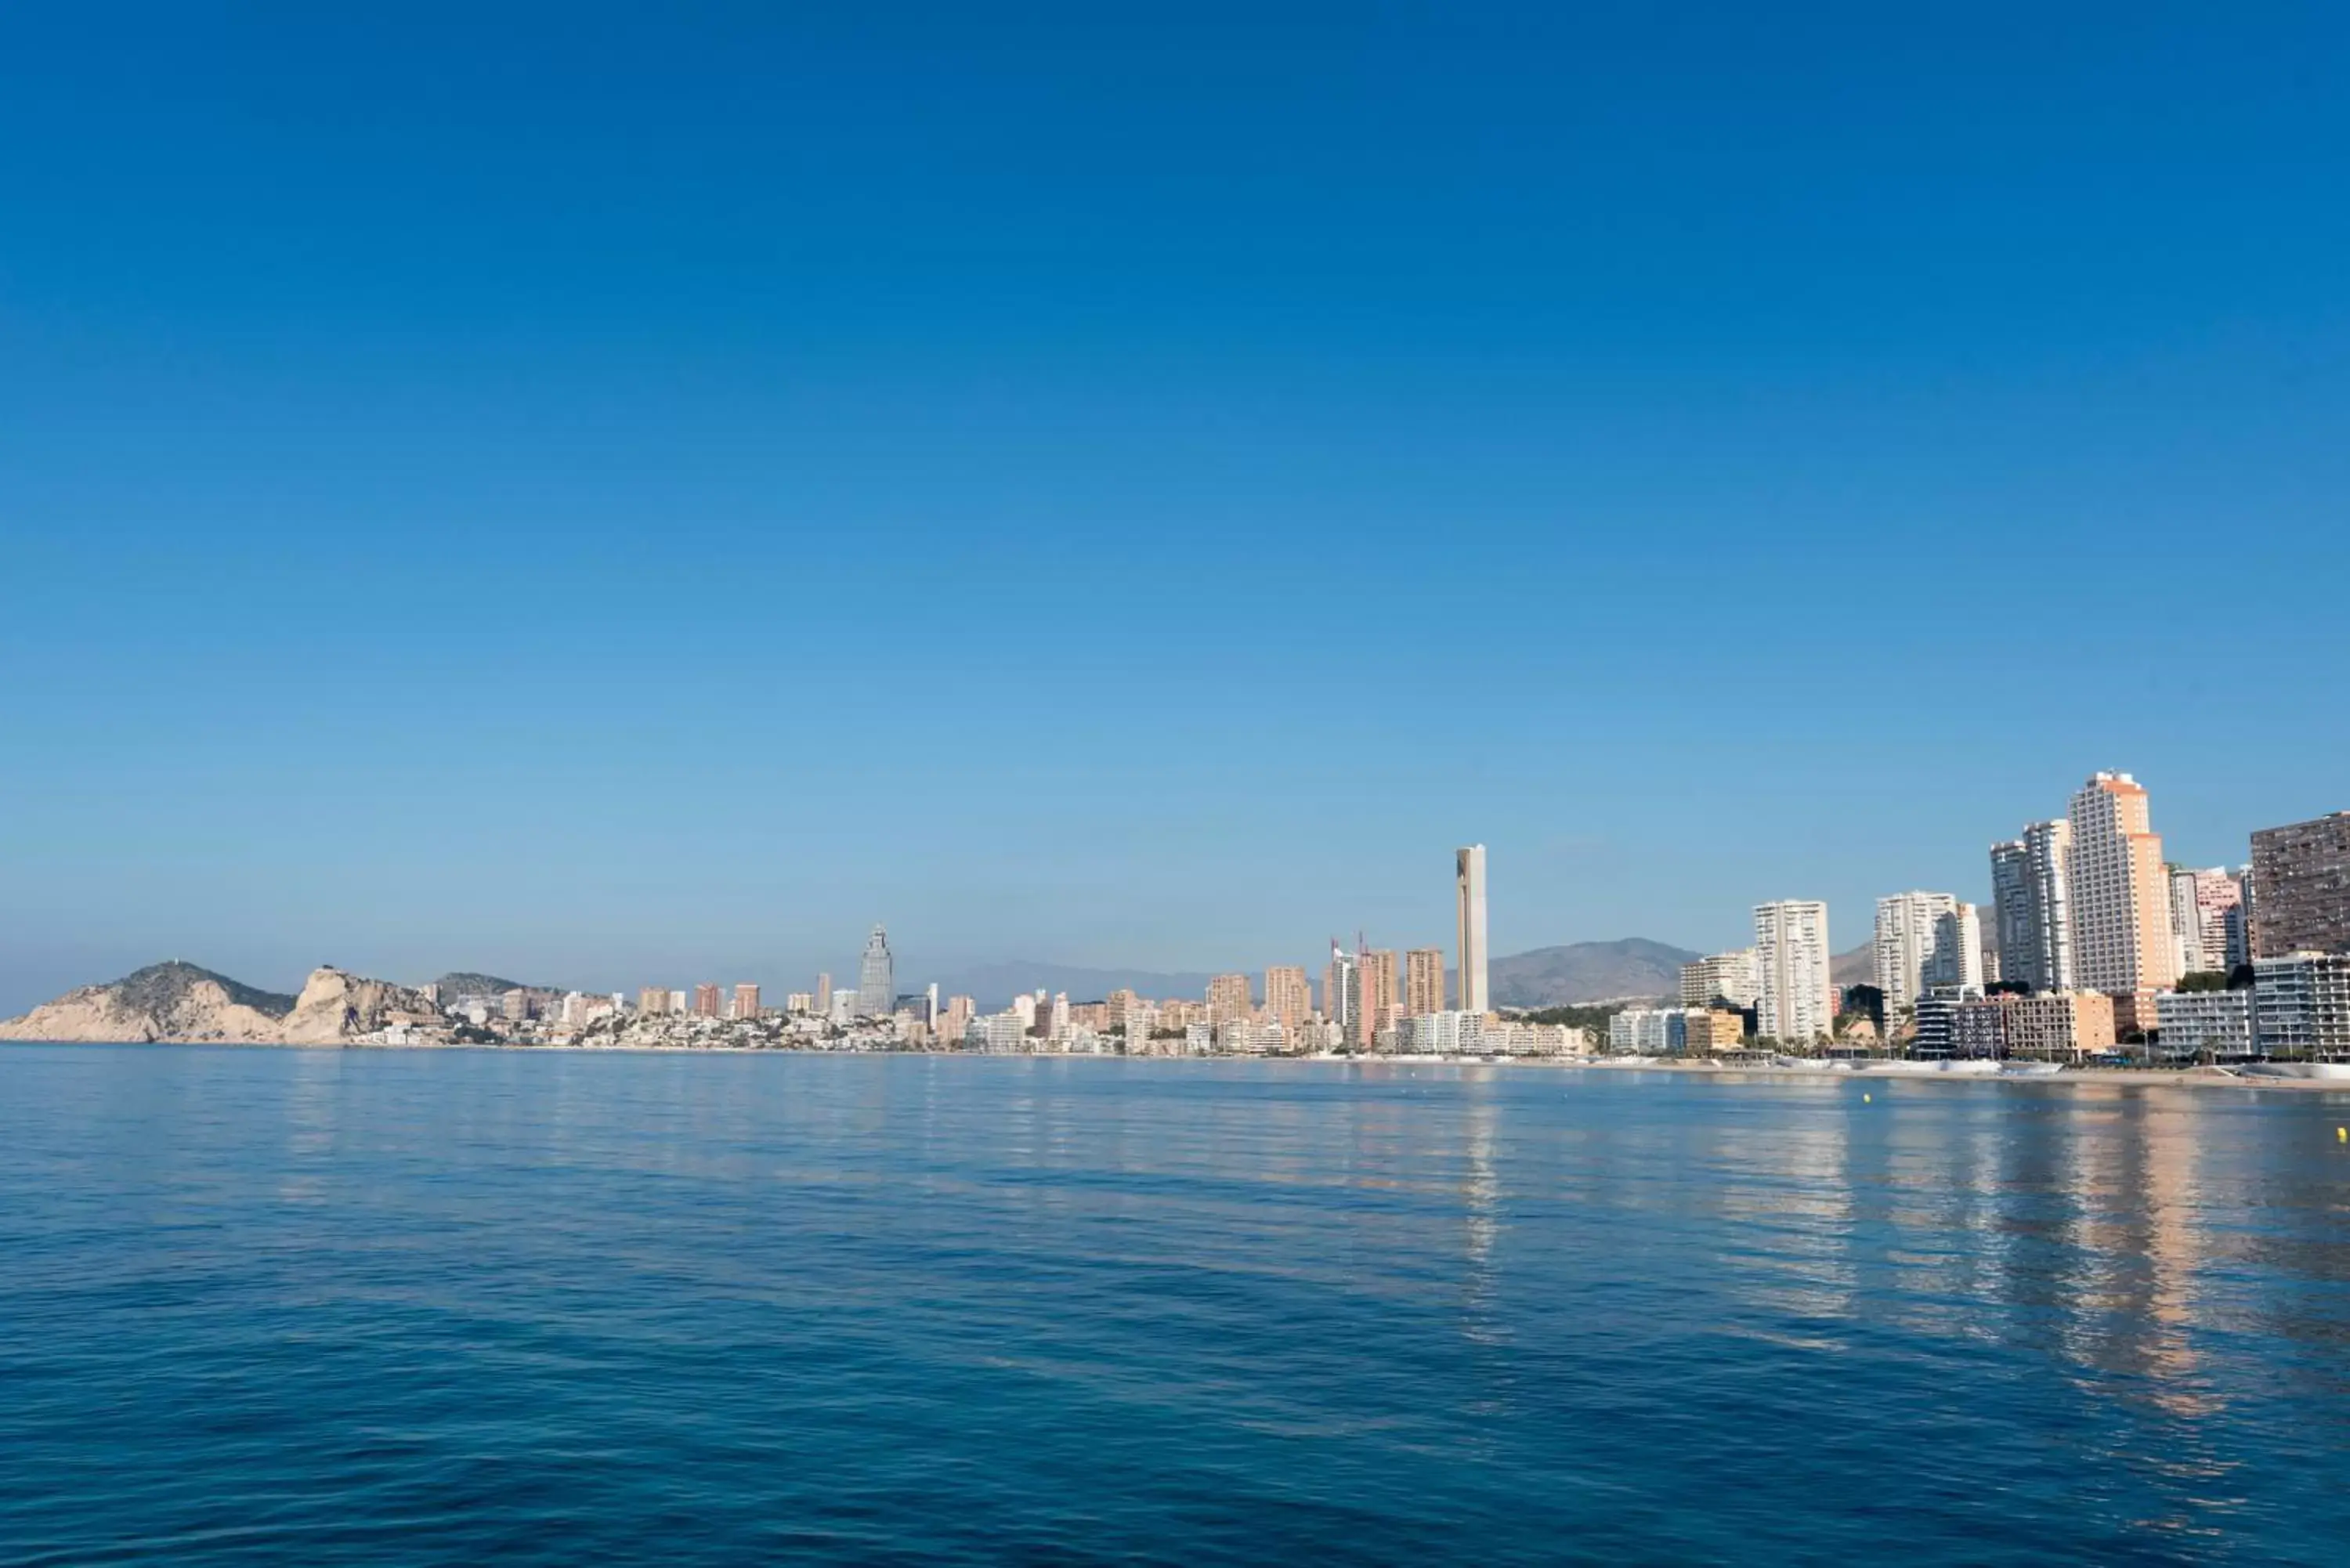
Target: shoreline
(2165, 1077)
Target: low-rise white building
(2301, 1006)
(2216, 1023)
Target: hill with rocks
(182, 1004)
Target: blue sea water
(383, 1307)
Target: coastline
(2165, 1077)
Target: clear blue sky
(611, 495)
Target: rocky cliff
(179, 1002)
(163, 1001)
(335, 1007)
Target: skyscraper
(706, 1002)
(1338, 996)
(1423, 981)
(824, 995)
(746, 1001)
(2300, 890)
(1375, 974)
(2033, 906)
(877, 977)
(2118, 892)
(1904, 941)
(1287, 1000)
(1469, 883)
(1796, 1003)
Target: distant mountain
(1583, 972)
(180, 1001)
(1857, 967)
(465, 982)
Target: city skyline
(431, 503)
(782, 975)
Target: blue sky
(611, 495)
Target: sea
(517, 1307)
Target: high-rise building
(1288, 998)
(652, 1000)
(877, 976)
(2033, 906)
(1338, 995)
(1729, 976)
(2300, 890)
(2119, 893)
(1796, 1003)
(1423, 981)
(1468, 885)
(823, 994)
(1905, 943)
(705, 1001)
(1228, 999)
(1376, 975)
(746, 1001)
(955, 1021)
(2201, 902)
(1955, 962)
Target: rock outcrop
(335, 1007)
(180, 1002)
(163, 1001)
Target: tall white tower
(1469, 882)
(1797, 1004)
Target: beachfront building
(2301, 1006)
(1978, 1028)
(2300, 890)
(2213, 1023)
(1650, 1032)
(1708, 1032)
(1720, 977)
(2032, 906)
(1796, 1003)
(1905, 939)
(2118, 891)
(2059, 1025)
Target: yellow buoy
(2342, 1135)
(1864, 1100)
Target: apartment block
(2301, 887)
(1794, 1002)
(2205, 1022)
(2301, 1006)
(2119, 890)
(1287, 997)
(1423, 981)
(1727, 977)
